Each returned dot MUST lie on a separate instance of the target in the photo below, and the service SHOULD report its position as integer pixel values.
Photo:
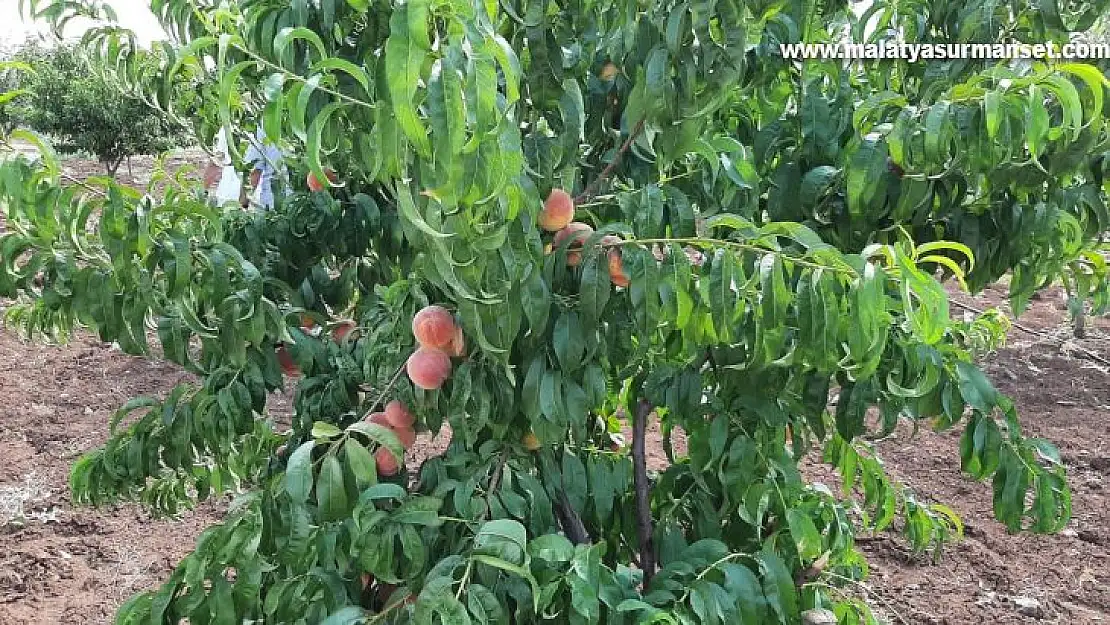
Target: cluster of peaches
(558, 216)
(439, 339)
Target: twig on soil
(867, 589)
(643, 494)
(1026, 329)
(591, 189)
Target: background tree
(72, 102)
(546, 225)
(11, 86)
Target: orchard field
(74, 565)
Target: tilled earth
(993, 576)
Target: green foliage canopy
(824, 199)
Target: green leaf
(594, 289)
(504, 539)
(419, 510)
(805, 534)
(406, 206)
(405, 51)
(331, 493)
(337, 64)
(323, 429)
(816, 183)
(865, 174)
(289, 35)
(778, 586)
(350, 615)
(361, 463)
(380, 435)
(574, 480)
(975, 388)
(569, 341)
(298, 473)
(551, 547)
(437, 604)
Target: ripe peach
(616, 269)
(577, 232)
(343, 329)
(428, 368)
(379, 418)
(286, 361)
(458, 345)
(434, 327)
(558, 211)
(386, 461)
(398, 416)
(314, 183)
(406, 435)
(530, 441)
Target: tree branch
(495, 481)
(591, 189)
(572, 524)
(643, 494)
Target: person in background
(268, 169)
(225, 185)
(220, 178)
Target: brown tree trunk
(644, 523)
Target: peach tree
(548, 228)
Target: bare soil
(62, 564)
(992, 576)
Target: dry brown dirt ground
(61, 564)
(993, 576)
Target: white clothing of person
(227, 190)
(268, 160)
